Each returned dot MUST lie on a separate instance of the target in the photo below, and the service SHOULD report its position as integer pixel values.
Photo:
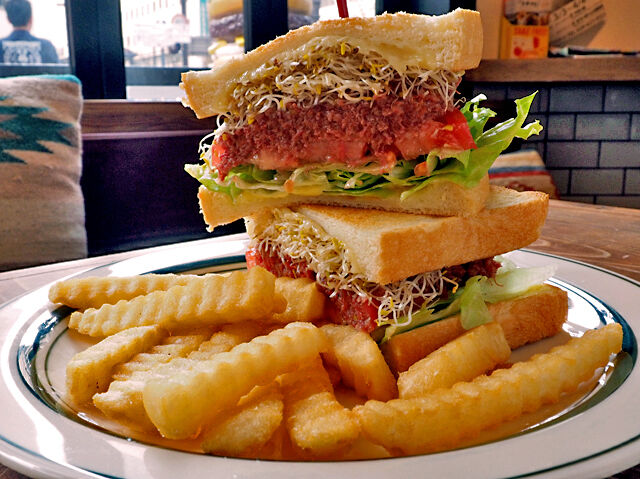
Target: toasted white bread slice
(535, 315)
(443, 198)
(450, 42)
(387, 247)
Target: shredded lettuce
(470, 300)
(473, 309)
(466, 168)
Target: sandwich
(358, 112)
(414, 282)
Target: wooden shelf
(580, 69)
(106, 118)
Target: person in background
(20, 46)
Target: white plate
(596, 437)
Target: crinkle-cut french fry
(472, 354)
(170, 348)
(93, 292)
(245, 331)
(206, 301)
(229, 336)
(89, 371)
(361, 449)
(360, 362)
(277, 448)
(443, 418)
(304, 301)
(246, 428)
(317, 423)
(190, 394)
(347, 396)
(219, 343)
(123, 399)
(334, 374)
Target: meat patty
(340, 132)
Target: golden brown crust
(538, 314)
(447, 42)
(441, 198)
(388, 247)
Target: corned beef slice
(351, 133)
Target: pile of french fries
(243, 364)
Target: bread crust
(387, 247)
(446, 42)
(536, 315)
(442, 198)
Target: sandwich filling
(331, 103)
(374, 133)
(388, 144)
(293, 245)
(327, 70)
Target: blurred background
(158, 37)
(136, 49)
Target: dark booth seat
(136, 191)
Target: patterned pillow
(522, 171)
(41, 203)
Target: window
(161, 39)
(38, 45)
(137, 49)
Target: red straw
(343, 11)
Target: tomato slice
(450, 132)
(276, 265)
(346, 307)
(455, 133)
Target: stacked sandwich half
(344, 148)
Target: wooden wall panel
(101, 118)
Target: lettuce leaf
(466, 168)
(473, 309)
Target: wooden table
(604, 236)
(601, 235)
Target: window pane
(226, 25)
(357, 8)
(165, 37)
(162, 33)
(33, 37)
(227, 29)
(162, 38)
